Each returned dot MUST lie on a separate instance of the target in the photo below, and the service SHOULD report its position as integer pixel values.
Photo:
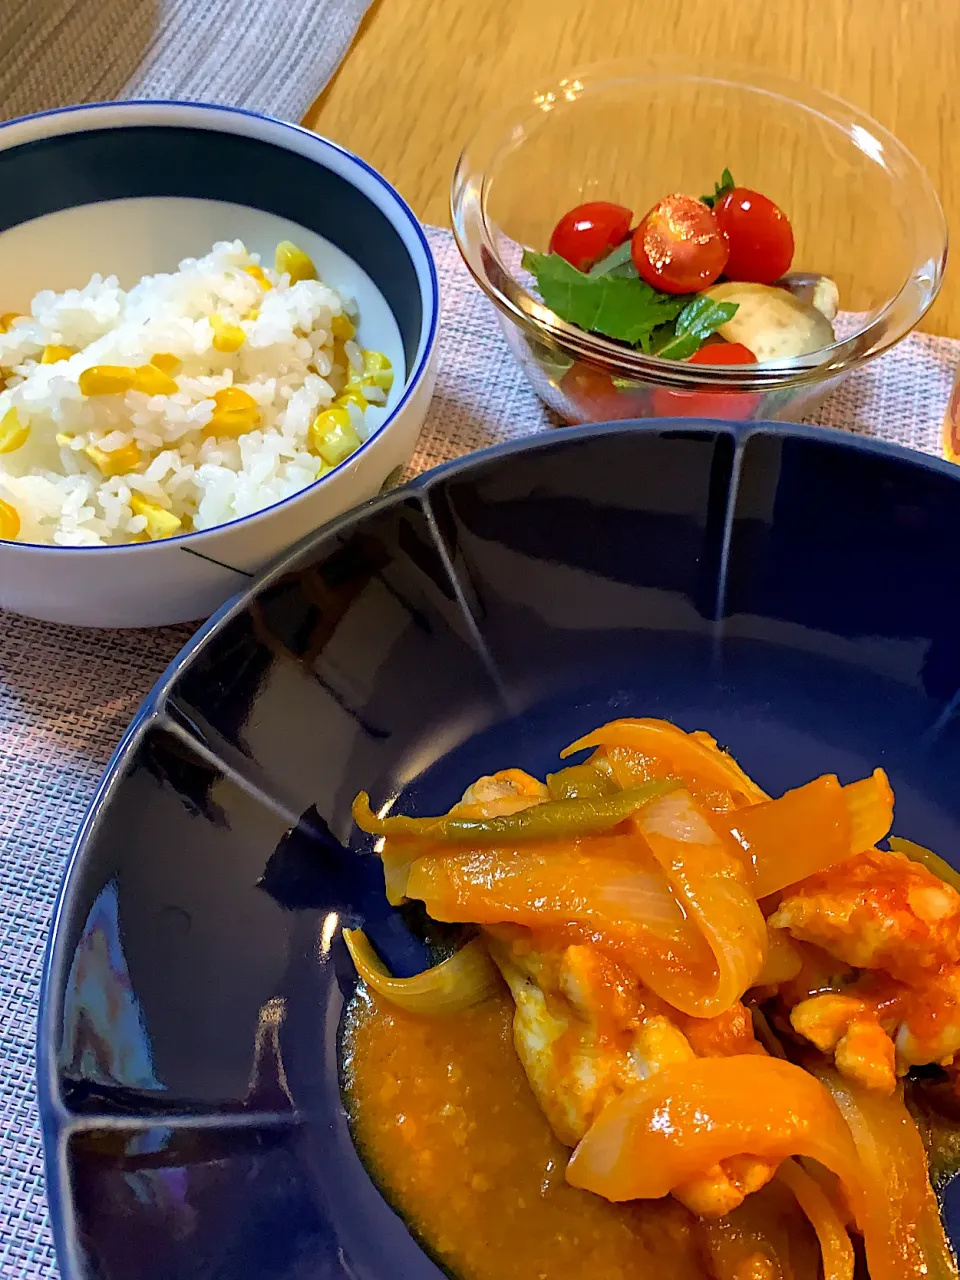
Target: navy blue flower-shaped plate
(793, 591)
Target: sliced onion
(835, 1247)
(896, 1208)
(708, 881)
(690, 1116)
(809, 829)
(606, 885)
(693, 756)
(870, 806)
(397, 857)
(465, 979)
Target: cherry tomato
(678, 247)
(709, 404)
(596, 398)
(589, 232)
(760, 237)
(723, 353)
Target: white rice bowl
(289, 363)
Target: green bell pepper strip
(927, 858)
(580, 782)
(550, 818)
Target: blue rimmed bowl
(132, 188)
(788, 590)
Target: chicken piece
(880, 1028)
(877, 911)
(505, 792)
(824, 1019)
(926, 1018)
(585, 1030)
(506, 782)
(574, 1008)
(866, 1053)
(727, 1034)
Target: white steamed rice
(287, 363)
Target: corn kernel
(226, 337)
(54, 354)
(63, 439)
(352, 394)
(352, 386)
(116, 463)
(231, 398)
(259, 275)
(333, 436)
(107, 379)
(236, 412)
(342, 327)
(13, 432)
(7, 320)
(374, 361)
(152, 381)
(167, 363)
(377, 370)
(160, 523)
(252, 314)
(9, 521)
(293, 262)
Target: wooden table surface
(423, 73)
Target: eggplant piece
(819, 291)
(771, 322)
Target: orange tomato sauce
(448, 1126)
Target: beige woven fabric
(66, 695)
(268, 55)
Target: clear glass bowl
(863, 212)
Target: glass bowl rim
(477, 245)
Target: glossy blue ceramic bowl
(792, 591)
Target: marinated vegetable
(690, 271)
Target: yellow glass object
(291, 261)
(7, 319)
(259, 275)
(53, 354)
(107, 379)
(160, 523)
(9, 521)
(377, 370)
(236, 412)
(342, 327)
(227, 337)
(167, 363)
(152, 381)
(116, 463)
(333, 436)
(13, 432)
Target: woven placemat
(273, 56)
(66, 695)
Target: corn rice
(192, 399)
